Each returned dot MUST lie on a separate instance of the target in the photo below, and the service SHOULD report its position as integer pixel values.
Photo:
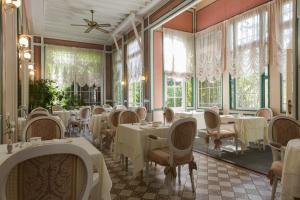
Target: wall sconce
(23, 41)
(27, 55)
(13, 3)
(30, 66)
(142, 78)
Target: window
(210, 93)
(117, 78)
(134, 74)
(77, 72)
(247, 59)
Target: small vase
(9, 147)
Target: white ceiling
(52, 18)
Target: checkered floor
(214, 180)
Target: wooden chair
(178, 151)
(40, 109)
(128, 117)
(215, 108)
(282, 129)
(119, 107)
(83, 121)
(47, 127)
(169, 115)
(98, 110)
(141, 112)
(57, 108)
(266, 113)
(35, 114)
(213, 130)
(52, 171)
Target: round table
(291, 171)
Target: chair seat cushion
(162, 156)
(222, 134)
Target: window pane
(189, 93)
(210, 93)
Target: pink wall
(158, 67)
(222, 10)
(182, 22)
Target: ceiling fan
(91, 24)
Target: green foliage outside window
(135, 94)
(210, 93)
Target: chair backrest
(119, 107)
(57, 108)
(128, 117)
(107, 106)
(169, 115)
(215, 108)
(267, 113)
(52, 171)
(141, 112)
(40, 109)
(98, 110)
(85, 112)
(181, 137)
(114, 118)
(35, 114)
(212, 120)
(47, 127)
(282, 129)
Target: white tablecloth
(97, 123)
(131, 141)
(199, 116)
(105, 182)
(64, 116)
(249, 128)
(20, 128)
(291, 171)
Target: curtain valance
(178, 53)
(134, 61)
(66, 65)
(210, 52)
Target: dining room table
(104, 184)
(290, 180)
(99, 122)
(199, 116)
(249, 129)
(131, 141)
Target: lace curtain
(134, 61)
(247, 42)
(282, 35)
(210, 51)
(178, 53)
(66, 65)
(117, 76)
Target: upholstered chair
(282, 129)
(57, 108)
(128, 117)
(141, 112)
(40, 109)
(35, 114)
(52, 171)
(178, 150)
(83, 121)
(169, 115)
(266, 113)
(98, 110)
(215, 108)
(46, 127)
(107, 106)
(215, 131)
(119, 107)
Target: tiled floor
(214, 180)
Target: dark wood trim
(37, 39)
(73, 44)
(37, 62)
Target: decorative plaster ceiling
(52, 18)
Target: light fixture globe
(23, 41)
(27, 55)
(13, 3)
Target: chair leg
(179, 174)
(274, 186)
(192, 179)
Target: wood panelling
(73, 44)
(108, 48)
(37, 62)
(108, 76)
(170, 5)
(182, 22)
(222, 10)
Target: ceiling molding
(204, 3)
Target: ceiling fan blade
(89, 29)
(101, 29)
(104, 25)
(87, 21)
(78, 25)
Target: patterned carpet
(214, 180)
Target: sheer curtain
(134, 61)
(117, 77)
(247, 42)
(210, 53)
(282, 35)
(66, 65)
(178, 53)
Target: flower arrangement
(10, 127)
